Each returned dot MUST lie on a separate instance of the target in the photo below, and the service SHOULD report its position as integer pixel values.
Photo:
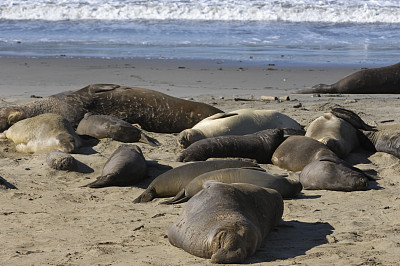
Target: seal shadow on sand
(292, 239)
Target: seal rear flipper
(179, 198)
(102, 181)
(352, 118)
(4, 183)
(320, 88)
(99, 88)
(149, 140)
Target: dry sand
(50, 219)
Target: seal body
(385, 141)
(257, 176)
(105, 126)
(258, 146)
(44, 132)
(61, 161)
(297, 151)
(171, 182)
(154, 111)
(226, 222)
(332, 173)
(340, 136)
(239, 122)
(126, 166)
(368, 81)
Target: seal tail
(179, 198)
(149, 140)
(320, 88)
(102, 181)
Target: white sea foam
(331, 11)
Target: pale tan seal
(379, 80)
(226, 222)
(239, 122)
(44, 132)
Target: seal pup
(61, 161)
(297, 151)
(226, 222)
(239, 122)
(126, 166)
(339, 135)
(105, 126)
(154, 111)
(379, 80)
(171, 182)
(258, 146)
(44, 132)
(332, 173)
(288, 188)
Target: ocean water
(291, 31)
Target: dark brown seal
(368, 81)
(171, 182)
(105, 126)
(226, 222)
(258, 146)
(154, 111)
(126, 166)
(332, 173)
(298, 151)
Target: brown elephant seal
(171, 182)
(105, 126)
(332, 173)
(258, 146)
(384, 141)
(298, 151)
(379, 80)
(152, 110)
(44, 132)
(126, 166)
(340, 136)
(239, 122)
(61, 161)
(288, 188)
(226, 222)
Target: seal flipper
(224, 115)
(179, 198)
(320, 88)
(4, 183)
(102, 181)
(352, 118)
(148, 140)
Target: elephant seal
(297, 151)
(384, 141)
(152, 110)
(379, 80)
(226, 222)
(105, 126)
(257, 176)
(258, 146)
(239, 122)
(340, 136)
(44, 132)
(332, 173)
(171, 182)
(126, 166)
(61, 161)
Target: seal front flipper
(148, 140)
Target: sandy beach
(51, 219)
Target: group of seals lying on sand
(226, 222)
(368, 81)
(239, 122)
(152, 110)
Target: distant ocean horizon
(358, 32)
